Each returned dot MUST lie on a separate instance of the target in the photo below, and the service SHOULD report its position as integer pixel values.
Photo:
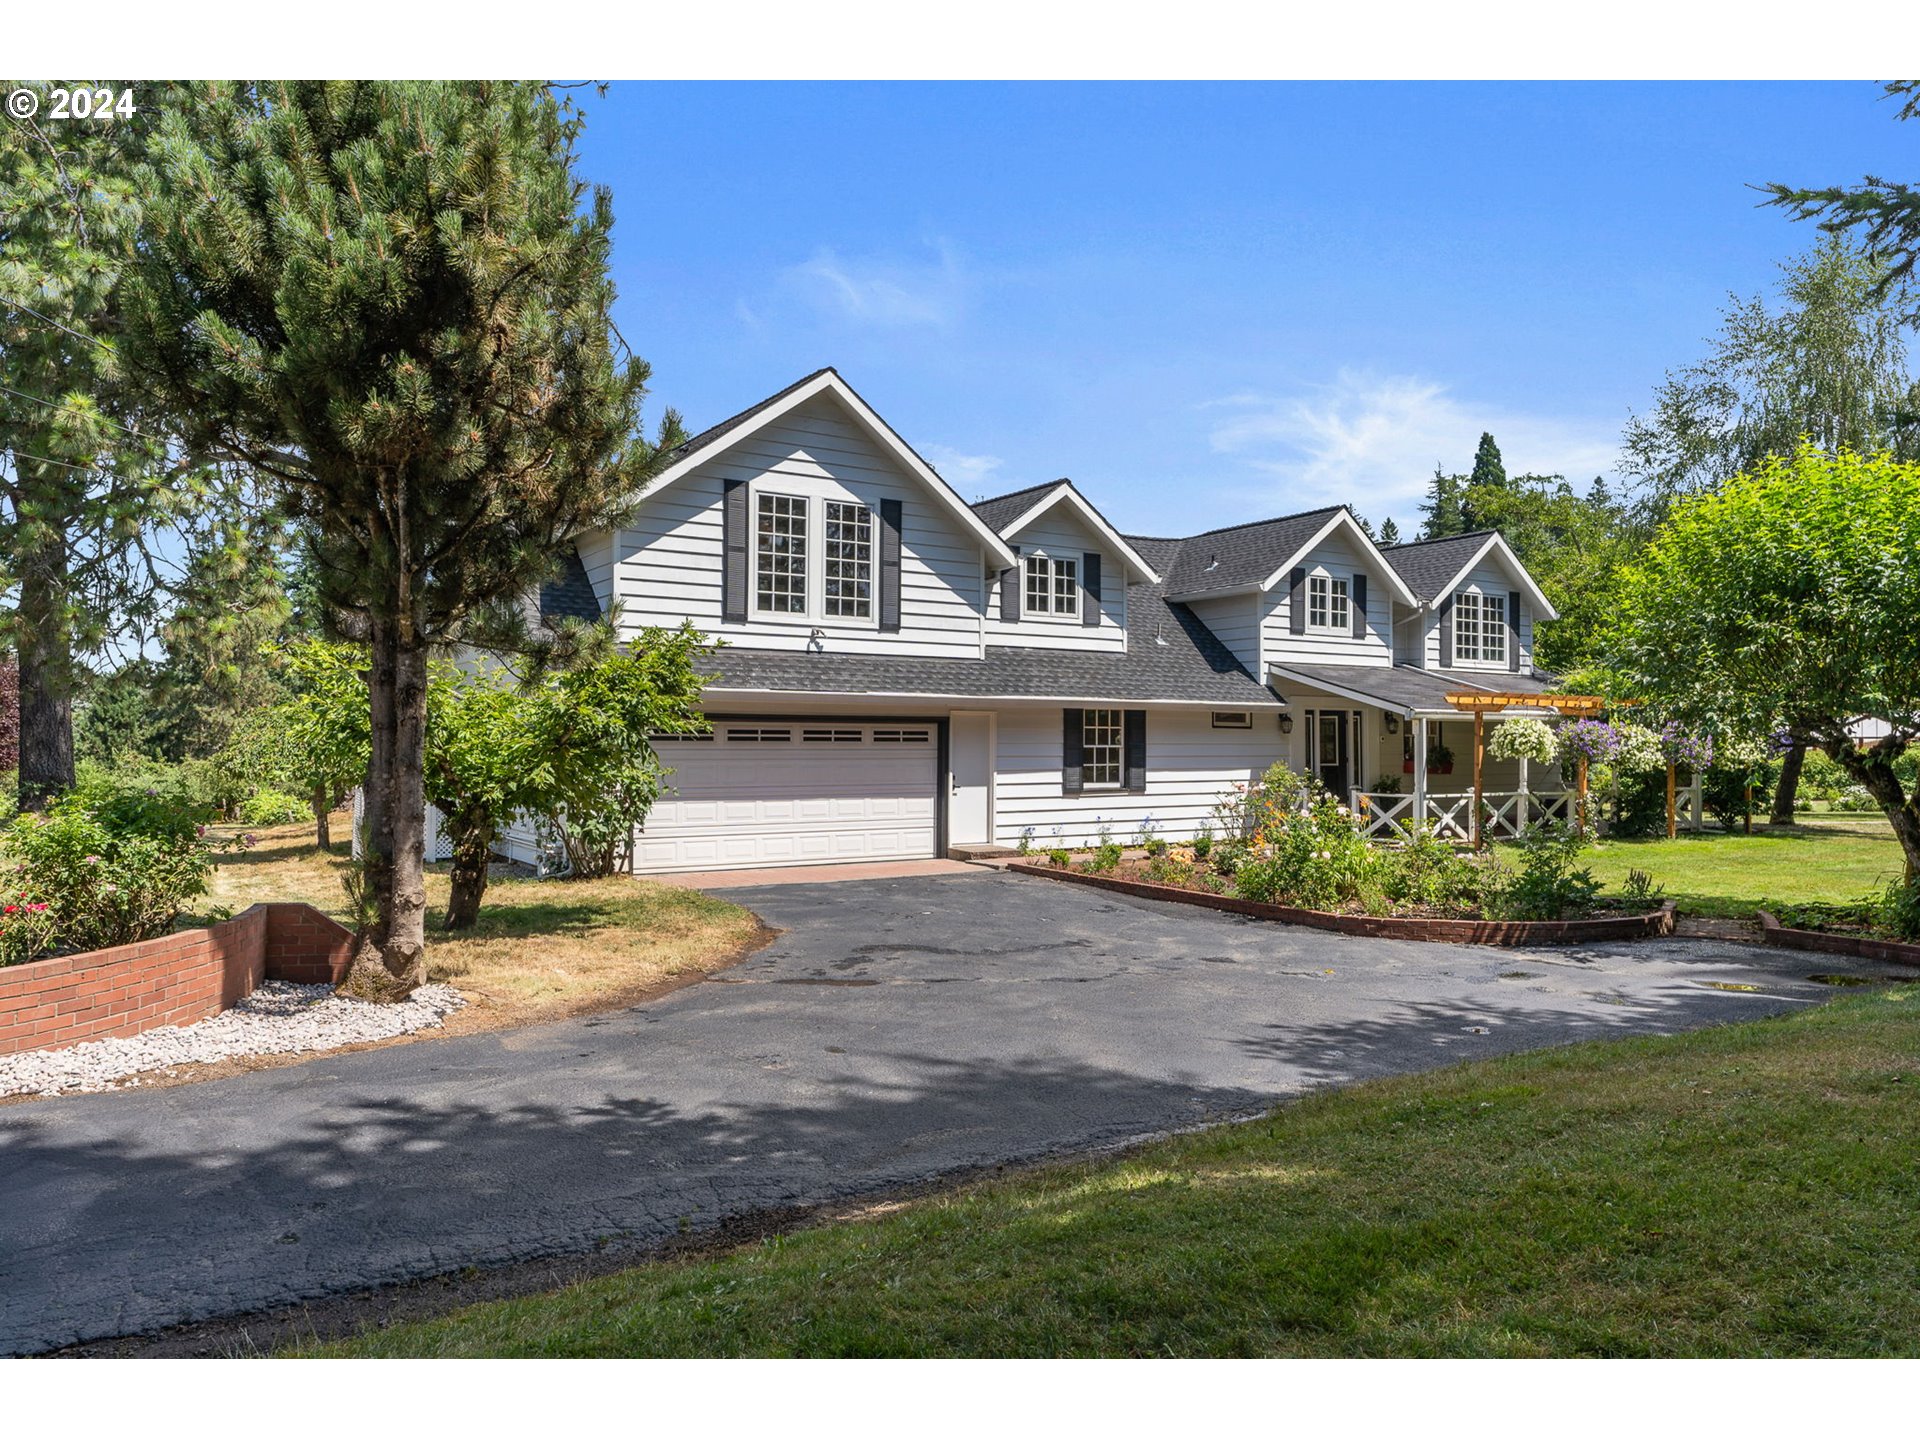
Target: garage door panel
(759, 802)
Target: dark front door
(1330, 751)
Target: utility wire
(49, 320)
(71, 410)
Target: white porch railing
(1504, 814)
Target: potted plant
(1439, 760)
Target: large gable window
(849, 555)
(1480, 627)
(1100, 754)
(780, 568)
(1327, 603)
(1053, 588)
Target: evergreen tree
(1442, 507)
(1488, 468)
(1389, 532)
(1366, 526)
(391, 302)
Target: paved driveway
(899, 1030)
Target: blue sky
(1209, 303)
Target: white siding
(1410, 628)
(1337, 558)
(596, 557)
(670, 566)
(1060, 533)
(1236, 620)
(1489, 577)
(1190, 766)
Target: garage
(766, 792)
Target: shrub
(1251, 808)
(1313, 858)
(1059, 859)
(1855, 797)
(1203, 841)
(1547, 886)
(1156, 847)
(273, 807)
(1641, 890)
(1898, 910)
(1106, 858)
(1725, 793)
(26, 928)
(1431, 874)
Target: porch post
(1670, 816)
(1479, 754)
(1697, 790)
(1419, 767)
(1520, 816)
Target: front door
(1330, 753)
(970, 816)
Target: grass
(1745, 1190)
(541, 949)
(1713, 873)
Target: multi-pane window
(1100, 748)
(1480, 627)
(1053, 586)
(849, 557)
(780, 570)
(1327, 603)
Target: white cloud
(884, 292)
(968, 474)
(1372, 441)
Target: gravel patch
(277, 1019)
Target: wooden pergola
(1481, 703)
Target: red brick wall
(174, 980)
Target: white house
(905, 673)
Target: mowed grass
(541, 948)
(1714, 873)
(1746, 1190)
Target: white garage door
(775, 792)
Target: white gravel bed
(277, 1019)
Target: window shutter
(1090, 591)
(1358, 603)
(1446, 633)
(1010, 582)
(890, 565)
(1297, 600)
(1134, 753)
(735, 581)
(1513, 631)
(1072, 755)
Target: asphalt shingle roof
(1002, 510)
(1428, 566)
(734, 422)
(1238, 556)
(1406, 687)
(569, 594)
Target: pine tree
(1389, 533)
(391, 301)
(1488, 469)
(1366, 526)
(1442, 507)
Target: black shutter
(1359, 603)
(1297, 601)
(1090, 591)
(890, 565)
(1134, 774)
(1010, 590)
(1072, 752)
(1513, 631)
(735, 580)
(1446, 633)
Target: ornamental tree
(1791, 593)
(391, 301)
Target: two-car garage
(769, 791)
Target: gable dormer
(1477, 605)
(1067, 589)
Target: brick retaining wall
(174, 980)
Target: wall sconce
(1286, 723)
(1393, 723)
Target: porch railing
(1505, 815)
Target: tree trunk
(390, 953)
(322, 808)
(1873, 768)
(46, 679)
(1788, 789)
(472, 853)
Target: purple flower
(1693, 752)
(1595, 740)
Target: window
(1053, 586)
(904, 737)
(1233, 720)
(830, 737)
(1100, 732)
(849, 550)
(1327, 603)
(757, 735)
(1480, 627)
(780, 574)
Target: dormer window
(1053, 586)
(1327, 603)
(1480, 627)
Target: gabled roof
(1010, 514)
(1435, 568)
(1406, 688)
(1258, 555)
(731, 431)
(569, 595)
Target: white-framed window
(780, 555)
(1327, 603)
(1233, 720)
(1100, 747)
(1480, 627)
(849, 560)
(1053, 586)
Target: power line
(71, 410)
(23, 455)
(49, 320)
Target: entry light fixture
(1393, 723)
(1286, 723)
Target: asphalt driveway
(900, 1030)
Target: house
(906, 674)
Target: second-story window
(1053, 586)
(1480, 627)
(780, 568)
(1327, 603)
(849, 557)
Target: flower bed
(1858, 941)
(1464, 931)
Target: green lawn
(1743, 1190)
(1714, 873)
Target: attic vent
(1159, 639)
(1213, 562)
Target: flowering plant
(1524, 738)
(1689, 751)
(26, 928)
(1313, 858)
(1595, 741)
